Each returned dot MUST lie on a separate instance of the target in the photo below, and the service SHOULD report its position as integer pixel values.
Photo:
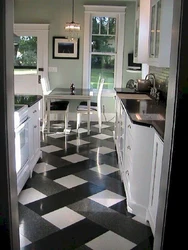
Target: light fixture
(72, 28)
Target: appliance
(132, 65)
(72, 28)
(141, 85)
(21, 130)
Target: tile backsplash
(162, 78)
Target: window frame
(111, 11)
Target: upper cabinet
(142, 24)
(160, 32)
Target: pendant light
(72, 29)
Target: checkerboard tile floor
(75, 198)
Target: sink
(134, 96)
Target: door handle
(39, 79)
(40, 69)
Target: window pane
(103, 44)
(95, 25)
(112, 26)
(104, 65)
(104, 25)
(25, 56)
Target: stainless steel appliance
(21, 128)
(142, 85)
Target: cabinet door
(141, 33)
(34, 130)
(120, 133)
(155, 181)
(160, 33)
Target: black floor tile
(64, 198)
(69, 238)
(98, 218)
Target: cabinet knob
(34, 111)
(129, 126)
(128, 147)
(35, 126)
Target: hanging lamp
(72, 29)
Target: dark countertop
(128, 90)
(146, 112)
(27, 99)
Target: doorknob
(40, 69)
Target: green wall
(57, 13)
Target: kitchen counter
(145, 112)
(29, 100)
(128, 90)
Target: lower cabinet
(34, 136)
(137, 167)
(134, 145)
(155, 181)
(120, 133)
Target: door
(30, 57)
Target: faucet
(153, 90)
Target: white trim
(114, 11)
(104, 9)
(30, 27)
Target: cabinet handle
(35, 126)
(129, 126)
(128, 147)
(154, 174)
(34, 111)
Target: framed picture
(65, 49)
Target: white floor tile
(70, 181)
(107, 198)
(102, 136)
(50, 148)
(110, 240)
(103, 150)
(102, 126)
(30, 195)
(24, 241)
(43, 167)
(104, 169)
(57, 135)
(80, 130)
(78, 142)
(74, 158)
(63, 217)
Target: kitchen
(171, 95)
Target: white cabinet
(160, 32)
(34, 135)
(155, 181)
(138, 161)
(120, 133)
(141, 38)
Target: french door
(30, 57)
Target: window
(103, 45)
(25, 55)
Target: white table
(65, 94)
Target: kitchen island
(32, 135)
